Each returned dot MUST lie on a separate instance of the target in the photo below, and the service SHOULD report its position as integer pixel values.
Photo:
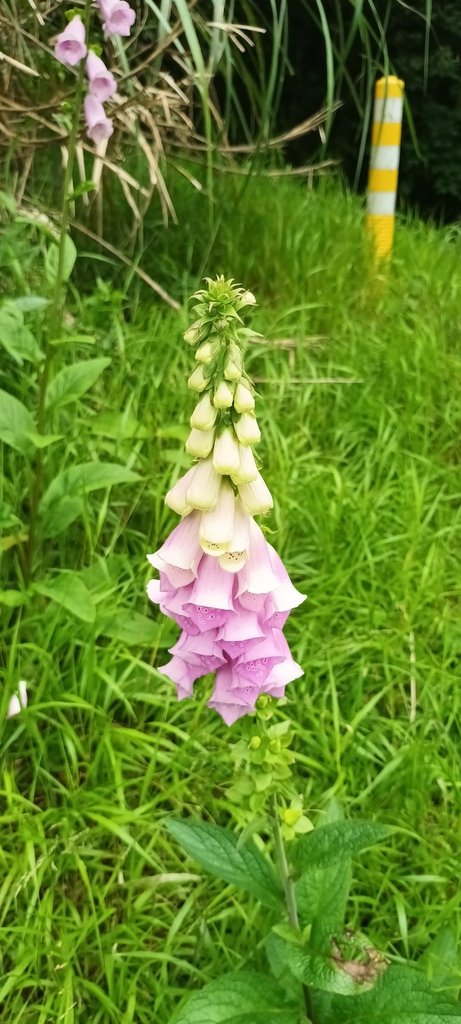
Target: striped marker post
(384, 163)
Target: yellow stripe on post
(384, 163)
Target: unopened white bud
(247, 469)
(192, 335)
(176, 496)
(248, 298)
(203, 490)
(246, 428)
(217, 527)
(199, 444)
(243, 398)
(204, 414)
(233, 367)
(226, 459)
(198, 380)
(223, 396)
(207, 352)
(256, 497)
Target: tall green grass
(359, 374)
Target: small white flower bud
(203, 490)
(248, 298)
(233, 367)
(207, 352)
(192, 335)
(18, 700)
(176, 496)
(226, 459)
(197, 380)
(223, 396)
(243, 399)
(199, 444)
(256, 497)
(247, 470)
(247, 430)
(217, 527)
(204, 414)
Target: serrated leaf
(73, 381)
(240, 998)
(69, 591)
(220, 852)
(52, 261)
(16, 423)
(402, 995)
(321, 897)
(62, 501)
(335, 841)
(333, 974)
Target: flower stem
(288, 888)
(55, 321)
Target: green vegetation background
(101, 917)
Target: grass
(101, 917)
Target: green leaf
(340, 972)
(118, 425)
(240, 998)
(44, 440)
(62, 502)
(52, 261)
(13, 598)
(74, 339)
(16, 423)
(69, 591)
(335, 841)
(73, 381)
(15, 337)
(220, 852)
(403, 995)
(8, 201)
(321, 897)
(441, 961)
(130, 628)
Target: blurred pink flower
(70, 46)
(118, 16)
(99, 126)
(101, 81)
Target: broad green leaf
(63, 496)
(69, 591)
(15, 337)
(16, 423)
(321, 897)
(52, 261)
(130, 628)
(118, 425)
(240, 998)
(336, 972)
(220, 853)
(73, 381)
(402, 995)
(335, 841)
(8, 201)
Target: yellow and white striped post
(384, 163)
